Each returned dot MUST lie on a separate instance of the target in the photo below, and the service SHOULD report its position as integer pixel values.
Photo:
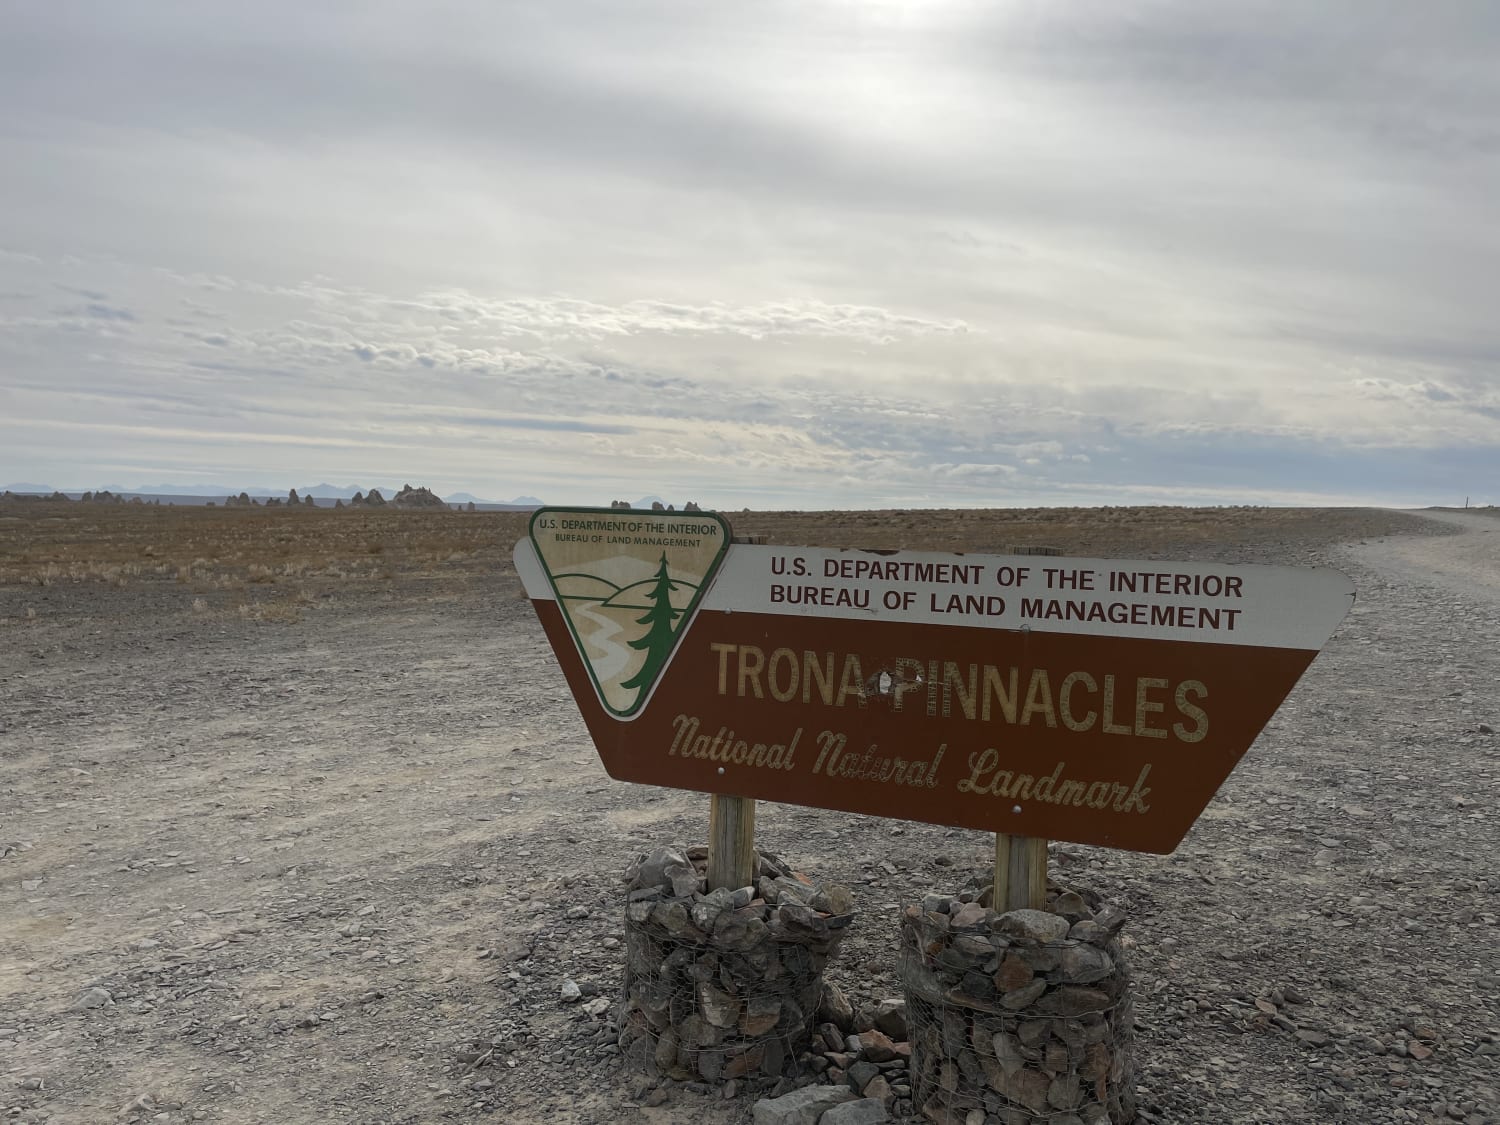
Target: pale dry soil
(320, 863)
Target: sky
(782, 255)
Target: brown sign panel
(1100, 701)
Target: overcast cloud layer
(789, 255)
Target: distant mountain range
(322, 491)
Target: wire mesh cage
(1025, 1016)
(724, 984)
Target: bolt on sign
(1102, 701)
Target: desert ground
(299, 824)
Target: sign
(621, 598)
(1102, 701)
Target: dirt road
(318, 867)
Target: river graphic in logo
(627, 582)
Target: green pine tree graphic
(660, 619)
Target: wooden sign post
(1021, 861)
(731, 825)
(1102, 701)
(731, 842)
(1020, 872)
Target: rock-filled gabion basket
(724, 984)
(1025, 1015)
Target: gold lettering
(812, 670)
(723, 650)
(908, 678)
(1137, 795)
(1145, 707)
(978, 767)
(1191, 711)
(852, 681)
(1069, 793)
(686, 728)
(829, 743)
(1039, 698)
(1110, 726)
(953, 682)
(1065, 700)
(752, 663)
(1006, 697)
(789, 658)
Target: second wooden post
(731, 824)
(1020, 872)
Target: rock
(761, 1015)
(890, 1018)
(969, 914)
(1091, 932)
(834, 1008)
(1070, 905)
(800, 1107)
(865, 1111)
(832, 1036)
(1013, 973)
(92, 998)
(1055, 1058)
(705, 912)
(740, 930)
(410, 497)
(1032, 1033)
(717, 1006)
(1065, 1092)
(1024, 996)
(666, 1050)
(1085, 964)
(975, 947)
(569, 992)
(744, 1062)
(686, 884)
(1112, 918)
(657, 869)
(1029, 1087)
(1008, 1054)
(860, 1074)
(672, 916)
(876, 1046)
(1071, 1000)
(1032, 925)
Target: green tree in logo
(660, 619)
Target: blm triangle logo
(627, 582)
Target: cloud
(98, 310)
(933, 253)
